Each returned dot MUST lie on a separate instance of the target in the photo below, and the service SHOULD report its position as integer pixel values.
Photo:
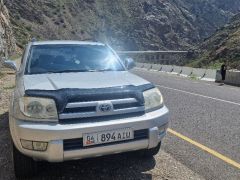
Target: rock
(7, 41)
(222, 46)
(124, 24)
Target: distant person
(223, 72)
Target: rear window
(72, 58)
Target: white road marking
(185, 78)
(200, 95)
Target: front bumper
(54, 134)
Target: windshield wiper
(67, 71)
(86, 70)
(101, 70)
(75, 70)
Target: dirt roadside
(124, 166)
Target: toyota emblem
(106, 107)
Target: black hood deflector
(64, 96)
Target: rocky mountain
(226, 5)
(224, 45)
(125, 24)
(7, 41)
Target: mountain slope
(227, 5)
(224, 45)
(7, 41)
(125, 24)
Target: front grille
(80, 109)
(126, 105)
(77, 144)
(89, 109)
(101, 118)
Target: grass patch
(194, 64)
(215, 65)
(29, 28)
(15, 56)
(206, 63)
(9, 87)
(1, 75)
(194, 77)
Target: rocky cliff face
(224, 45)
(7, 41)
(227, 5)
(125, 24)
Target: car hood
(81, 80)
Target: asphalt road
(207, 113)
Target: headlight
(153, 99)
(39, 108)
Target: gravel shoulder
(123, 166)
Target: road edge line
(205, 148)
(199, 95)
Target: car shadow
(120, 166)
(6, 169)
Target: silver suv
(76, 100)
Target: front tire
(150, 152)
(24, 167)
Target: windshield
(72, 58)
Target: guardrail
(232, 77)
(159, 57)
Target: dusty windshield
(72, 58)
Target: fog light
(27, 144)
(34, 145)
(40, 146)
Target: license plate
(107, 136)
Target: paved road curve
(206, 113)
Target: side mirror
(10, 64)
(129, 63)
